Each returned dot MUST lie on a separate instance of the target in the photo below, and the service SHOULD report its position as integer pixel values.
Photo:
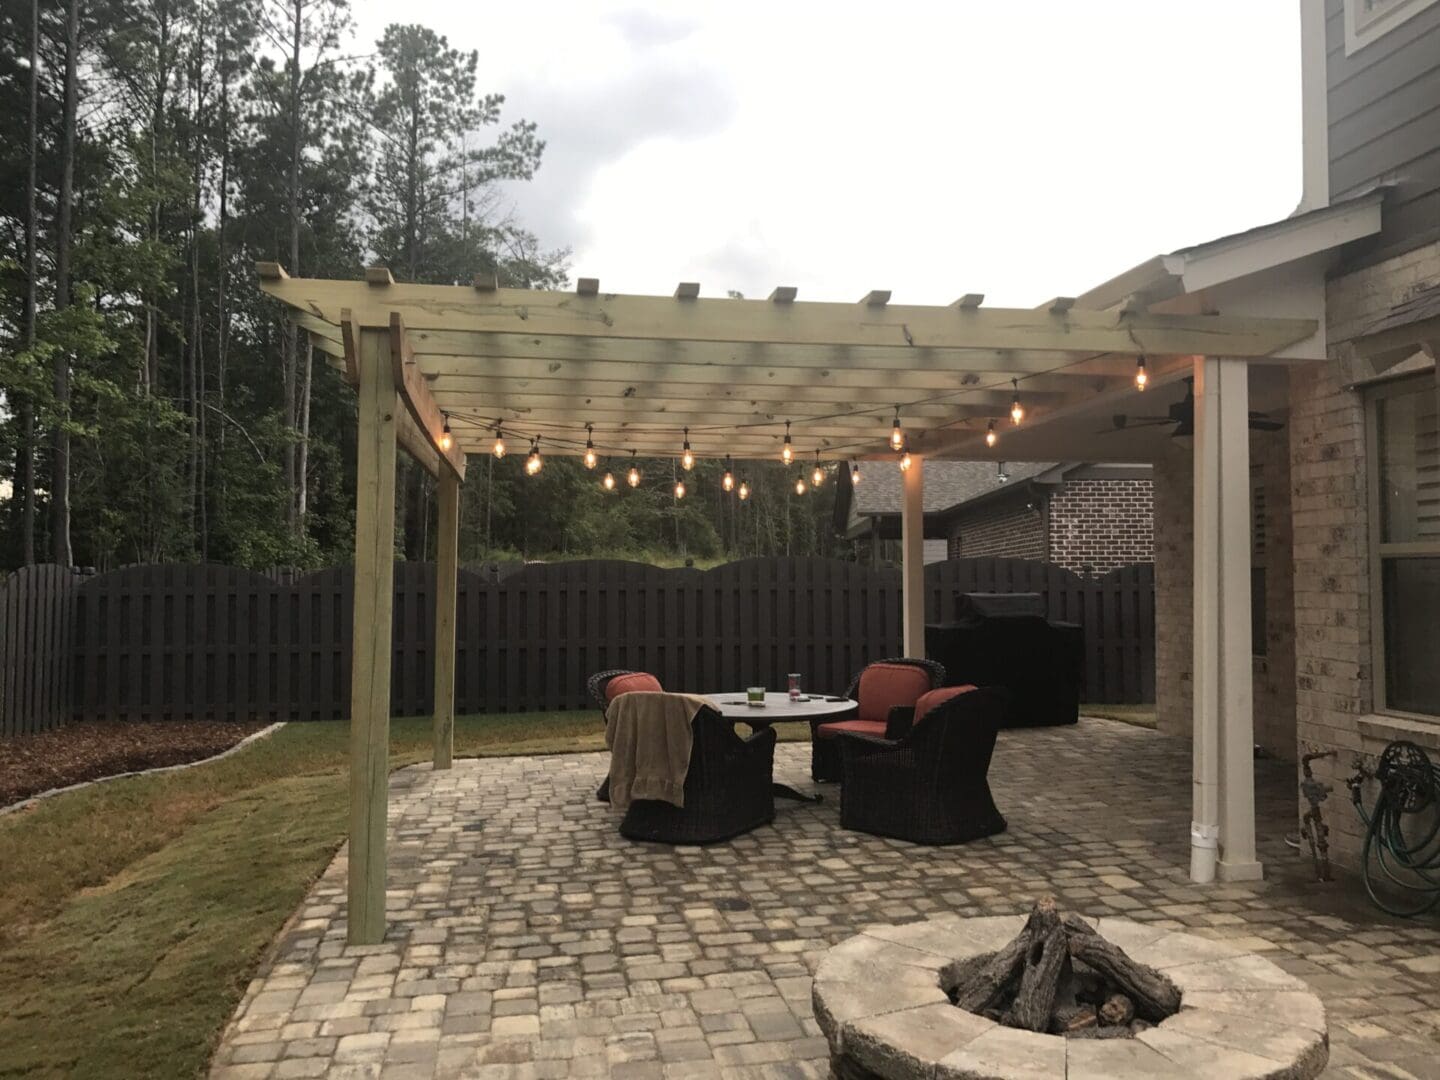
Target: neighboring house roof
(947, 484)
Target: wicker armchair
(929, 786)
(596, 686)
(727, 789)
(871, 717)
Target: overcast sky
(1020, 149)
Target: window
(1404, 441)
(1366, 20)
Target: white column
(1223, 820)
(912, 556)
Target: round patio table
(778, 710)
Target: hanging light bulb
(799, 485)
(728, 480)
(905, 460)
(1017, 411)
(991, 436)
(499, 448)
(608, 481)
(446, 439)
(744, 491)
(1142, 379)
(817, 477)
(533, 461)
(854, 473)
(897, 437)
(687, 459)
(590, 458)
(787, 451)
(633, 476)
(679, 489)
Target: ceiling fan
(1182, 415)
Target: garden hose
(1409, 788)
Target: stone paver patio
(528, 939)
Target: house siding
(1099, 525)
(1383, 105)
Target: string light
(818, 476)
(1141, 378)
(728, 480)
(897, 437)
(1017, 411)
(633, 476)
(991, 436)
(905, 459)
(590, 458)
(687, 459)
(499, 448)
(799, 485)
(787, 450)
(534, 462)
(744, 491)
(679, 489)
(608, 481)
(854, 473)
(446, 439)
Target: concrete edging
(31, 800)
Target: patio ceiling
(641, 368)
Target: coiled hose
(1409, 787)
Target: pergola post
(379, 408)
(1223, 825)
(912, 556)
(446, 571)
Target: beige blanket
(649, 736)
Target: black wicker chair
(727, 789)
(595, 686)
(930, 786)
(824, 751)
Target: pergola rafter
(641, 368)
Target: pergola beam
(419, 402)
(897, 326)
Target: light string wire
(835, 449)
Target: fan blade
(1260, 422)
(1132, 423)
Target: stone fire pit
(880, 998)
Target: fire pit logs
(1059, 976)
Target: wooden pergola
(740, 375)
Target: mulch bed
(30, 764)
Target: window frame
(1361, 28)
(1380, 551)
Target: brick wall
(1274, 673)
(1174, 569)
(1101, 524)
(1009, 528)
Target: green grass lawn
(133, 913)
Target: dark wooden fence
(36, 606)
(163, 641)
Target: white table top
(778, 706)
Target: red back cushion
(635, 682)
(883, 686)
(935, 698)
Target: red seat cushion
(864, 727)
(935, 698)
(635, 682)
(884, 686)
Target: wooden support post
(447, 542)
(1223, 826)
(379, 409)
(912, 556)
